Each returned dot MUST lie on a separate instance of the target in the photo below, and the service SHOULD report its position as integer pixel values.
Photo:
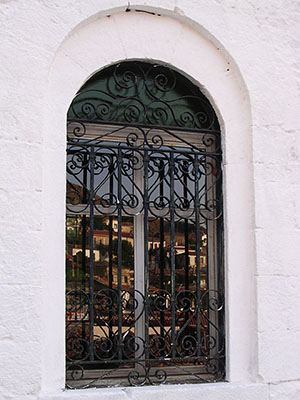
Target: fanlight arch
(145, 94)
(144, 230)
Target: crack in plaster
(277, 275)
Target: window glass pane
(185, 254)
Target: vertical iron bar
(186, 250)
(146, 261)
(211, 257)
(139, 277)
(120, 344)
(172, 253)
(110, 265)
(161, 246)
(111, 189)
(83, 221)
(83, 238)
(110, 245)
(91, 243)
(110, 274)
(186, 229)
(197, 223)
(220, 267)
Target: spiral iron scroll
(203, 350)
(112, 164)
(143, 94)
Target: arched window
(144, 251)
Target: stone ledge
(285, 391)
(213, 391)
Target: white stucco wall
(244, 56)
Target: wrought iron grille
(144, 231)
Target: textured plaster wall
(48, 48)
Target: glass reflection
(105, 252)
(159, 245)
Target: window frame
(156, 144)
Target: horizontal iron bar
(141, 126)
(148, 360)
(162, 149)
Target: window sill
(209, 391)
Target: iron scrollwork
(143, 145)
(139, 93)
(205, 351)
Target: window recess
(144, 248)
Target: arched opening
(144, 260)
